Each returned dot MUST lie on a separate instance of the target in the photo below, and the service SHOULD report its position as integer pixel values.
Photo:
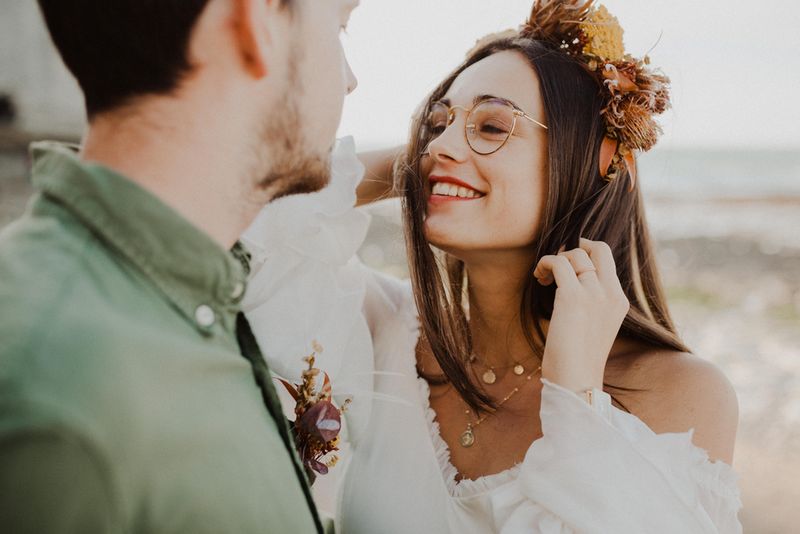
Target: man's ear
(252, 34)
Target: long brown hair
(578, 204)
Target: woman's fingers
(592, 261)
(581, 263)
(555, 269)
(588, 310)
(603, 259)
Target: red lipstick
(452, 180)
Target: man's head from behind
(275, 68)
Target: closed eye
(495, 127)
(491, 129)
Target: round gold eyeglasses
(489, 125)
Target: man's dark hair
(121, 49)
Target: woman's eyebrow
(481, 98)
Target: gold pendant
(467, 438)
(518, 369)
(489, 377)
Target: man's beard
(289, 166)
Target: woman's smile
(448, 188)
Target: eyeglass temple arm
(523, 114)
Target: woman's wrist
(378, 181)
(578, 380)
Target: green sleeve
(52, 484)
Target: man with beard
(133, 396)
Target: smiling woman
(494, 199)
(533, 356)
(497, 144)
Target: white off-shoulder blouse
(596, 469)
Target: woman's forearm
(378, 182)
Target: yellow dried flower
(603, 35)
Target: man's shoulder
(61, 321)
(40, 249)
(43, 259)
(69, 341)
(40, 258)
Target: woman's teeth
(452, 190)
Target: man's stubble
(289, 166)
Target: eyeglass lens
(488, 125)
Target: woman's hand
(589, 308)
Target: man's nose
(352, 81)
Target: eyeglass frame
(517, 112)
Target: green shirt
(125, 402)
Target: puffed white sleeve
(598, 469)
(307, 286)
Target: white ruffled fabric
(595, 470)
(465, 487)
(598, 469)
(307, 285)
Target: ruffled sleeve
(598, 469)
(307, 285)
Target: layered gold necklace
(468, 436)
(490, 376)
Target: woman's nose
(451, 144)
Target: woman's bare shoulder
(677, 391)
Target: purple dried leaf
(319, 467)
(322, 421)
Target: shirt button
(238, 289)
(204, 316)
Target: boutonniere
(317, 420)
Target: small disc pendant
(518, 369)
(467, 438)
(489, 377)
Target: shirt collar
(204, 281)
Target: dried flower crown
(635, 93)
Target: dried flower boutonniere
(318, 421)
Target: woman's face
(508, 187)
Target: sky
(734, 65)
